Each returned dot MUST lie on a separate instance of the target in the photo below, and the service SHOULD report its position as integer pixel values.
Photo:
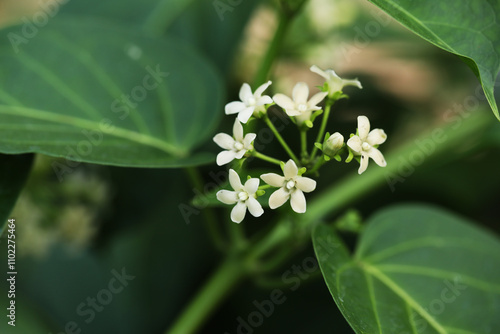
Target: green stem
(356, 186)
(321, 133)
(303, 142)
(266, 158)
(208, 213)
(280, 139)
(225, 278)
(274, 47)
(163, 15)
(321, 161)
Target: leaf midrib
(93, 125)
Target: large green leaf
(92, 91)
(14, 170)
(416, 270)
(468, 28)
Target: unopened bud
(333, 144)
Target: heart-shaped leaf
(14, 170)
(96, 92)
(468, 28)
(416, 270)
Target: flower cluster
(303, 110)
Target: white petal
(363, 127)
(251, 186)
(238, 212)
(245, 92)
(317, 98)
(284, 101)
(234, 180)
(273, 179)
(225, 157)
(227, 197)
(278, 198)
(249, 138)
(355, 143)
(377, 156)
(317, 70)
(234, 107)
(238, 155)
(293, 112)
(300, 93)
(351, 83)
(376, 137)
(363, 163)
(261, 89)
(298, 201)
(245, 114)
(238, 130)
(224, 140)
(290, 169)
(254, 207)
(305, 184)
(266, 99)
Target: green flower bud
(333, 144)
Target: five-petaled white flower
(236, 146)
(250, 103)
(299, 107)
(334, 82)
(291, 186)
(243, 196)
(363, 143)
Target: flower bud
(333, 144)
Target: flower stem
(266, 158)
(321, 133)
(321, 161)
(225, 278)
(303, 142)
(280, 139)
(208, 213)
(271, 53)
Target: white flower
(299, 106)
(243, 196)
(363, 144)
(291, 186)
(236, 146)
(334, 82)
(250, 103)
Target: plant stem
(231, 271)
(321, 133)
(303, 142)
(208, 213)
(266, 158)
(273, 49)
(280, 139)
(321, 161)
(163, 15)
(225, 278)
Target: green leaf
(14, 170)
(468, 28)
(96, 92)
(416, 269)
